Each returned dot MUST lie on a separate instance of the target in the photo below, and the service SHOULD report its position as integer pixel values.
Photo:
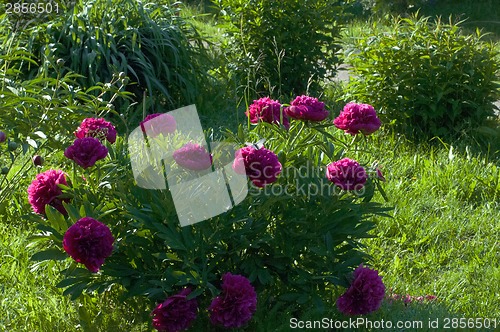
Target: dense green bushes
(289, 46)
(156, 49)
(425, 76)
(393, 6)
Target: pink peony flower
(176, 313)
(260, 165)
(347, 174)
(430, 297)
(267, 110)
(89, 242)
(44, 191)
(236, 304)
(365, 294)
(86, 151)
(165, 124)
(358, 118)
(193, 156)
(98, 128)
(307, 108)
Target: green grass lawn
(444, 235)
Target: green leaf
(382, 191)
(56, 219)
(49, 254)
(75, 291)
(50, 230)
(73, 213)
(196, 293)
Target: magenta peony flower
(267, 110)
(365, 294)
(44, 190)
(236, 304)
(307, 108)
(86, 151)
(176, 313)
(89, 242)
(347, 174)
(165, 125)
(193, 156)
(98, 128)
(358, 118)
(260, 165)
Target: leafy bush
(296, 240)
(99, 38)
(426, 76)
(393, 6)
(30, 108)
(292, 44)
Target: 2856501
(31, 8)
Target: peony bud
(38, 160)
(12, 146)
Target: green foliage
(393, 6)
(427, 77)
(30, 110)
(97, 39)
(297, 240)
(283, 45)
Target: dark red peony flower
(193, 156)
(89, 242)
(98, 128)
(236, 304)
(86, 151)
(158, 123)
(176, 313)
(267, 110)
(380, 175)
(260, 165)
(44, 191)
(365, 294)
(37, 160)
(358, 118)
(307, 108)
(3, 137)
(347, 174)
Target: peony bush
(293, 242)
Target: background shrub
(155, 48)
(425, 76)
(393, 6)
(287, 45)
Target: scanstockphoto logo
(171, 149)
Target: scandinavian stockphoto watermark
(305, 181)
